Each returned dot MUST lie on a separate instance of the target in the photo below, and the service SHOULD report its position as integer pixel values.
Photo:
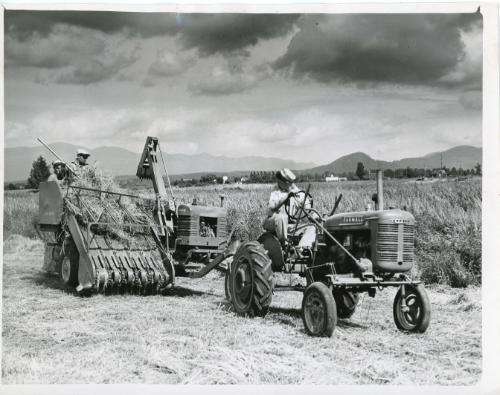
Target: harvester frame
(91, 262)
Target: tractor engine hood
(362, 218)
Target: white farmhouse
(332, 178)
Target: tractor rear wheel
(319, 312)
(250, 280)
(346, 302)
(68, 272)
(415, 314)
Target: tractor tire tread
(261, 265)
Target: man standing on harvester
(79, 164)
(81, 159)
(277, 220)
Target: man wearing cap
(80, 162)
(59, 171)
(81, 157)
(277, 219)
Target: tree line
(40, 172)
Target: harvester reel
(250, 280)
(415, 313)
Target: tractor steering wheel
(303, 213)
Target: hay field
(50, 335)
(448, 214)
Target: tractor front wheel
(250, 284)
(412, 313)
(319, 312)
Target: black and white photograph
(235, 197)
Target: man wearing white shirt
(277, 220)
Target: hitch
(229, 251)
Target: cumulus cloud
(72, 55)
(227, 77)
(24, 23)
(210, 33)
(468, 71)
(411, 48)
(169, 63)
(471, 100)
(220, 33)
(100, 127)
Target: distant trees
(478, 169)
(360, 170)
(360, 173)
(262, 177)
(39, 172)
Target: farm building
(332, 178)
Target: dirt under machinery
(131, 243)
(354, 253)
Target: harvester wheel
(250, 280)
(415, 314)
(69, 265)
(346, 302)
(319, 312)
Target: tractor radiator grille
(395, 243)
(189, 226)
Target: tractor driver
(277, 220)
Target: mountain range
(119, 161)
(464, 156)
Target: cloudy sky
(311, 87)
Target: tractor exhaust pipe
(380, 191)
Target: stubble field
(50, 335)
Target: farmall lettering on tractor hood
(390, 232)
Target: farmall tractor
(353, 253)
